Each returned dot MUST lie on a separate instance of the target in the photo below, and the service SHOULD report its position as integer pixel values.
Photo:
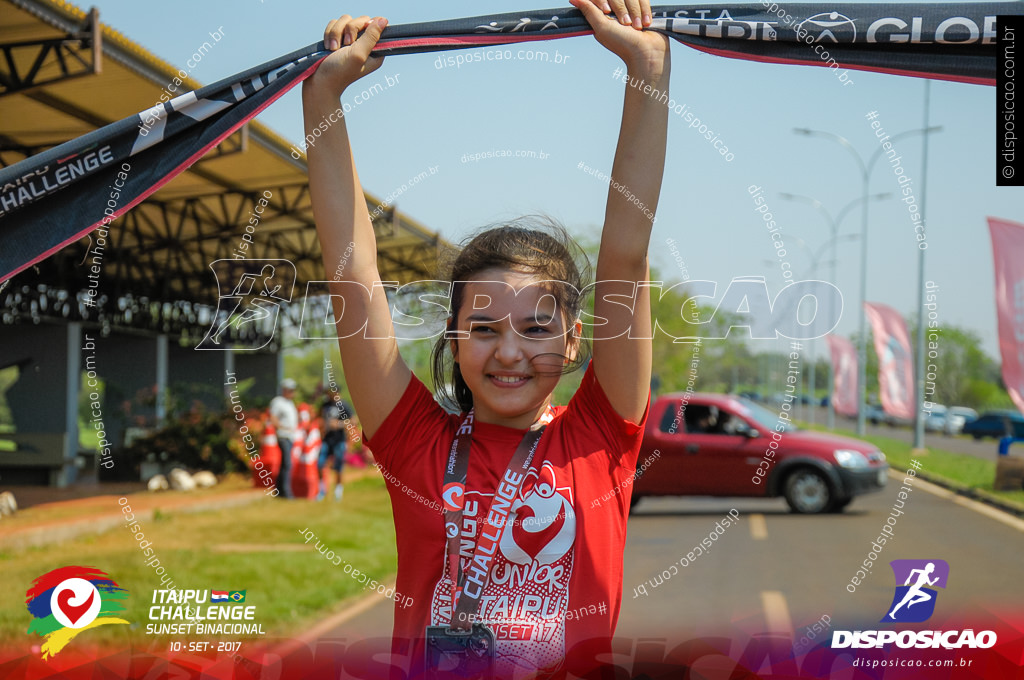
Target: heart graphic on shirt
(543, 522)
(533, 542)
(73, 612)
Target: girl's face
(512, 346)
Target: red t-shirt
(557, 579)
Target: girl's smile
(512, 346)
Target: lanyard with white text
(453, 493)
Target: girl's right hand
(351, 59)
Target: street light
(865, 174)
(833, 225)
(815, 260)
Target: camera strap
(468, 586)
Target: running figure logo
(914, 601)
(251, 293)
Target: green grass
(290, 589)
(956, 468)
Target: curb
(1008, 507)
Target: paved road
(779, 572)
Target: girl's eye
(481, 329)
(537, 329)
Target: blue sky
(570, 111)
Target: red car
(724, 445)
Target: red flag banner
(895, 360)
(1008, 252)
(844, 375)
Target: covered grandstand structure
(146, 326)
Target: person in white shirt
(285, 419)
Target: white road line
(969, 503)
(776, 612)
(758, 528)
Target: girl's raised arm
(374, 370)
(622, 343)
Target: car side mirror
(744, 430)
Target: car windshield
(763, 416)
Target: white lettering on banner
(953, 30)
(37, 184)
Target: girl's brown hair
(534, 245)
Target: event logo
(826, 24)
(66, 601)
(247, 316)
(916, 576)
(913, 602)
(543, 522)
(453, 495)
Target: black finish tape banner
(103, 174)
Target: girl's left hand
(623, 34)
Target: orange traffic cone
(270, 454)
(305, 483)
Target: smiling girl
(519, 545)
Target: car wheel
(807, 491)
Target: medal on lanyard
(465, 648)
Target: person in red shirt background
(540, 569)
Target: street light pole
(833, 224)
(865, 172)
(815, 261)
(919, 418)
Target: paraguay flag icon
(218, 596)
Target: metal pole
(862, 344)
(814, 395)
(919, 419)
(831, 375)
(865, 168)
